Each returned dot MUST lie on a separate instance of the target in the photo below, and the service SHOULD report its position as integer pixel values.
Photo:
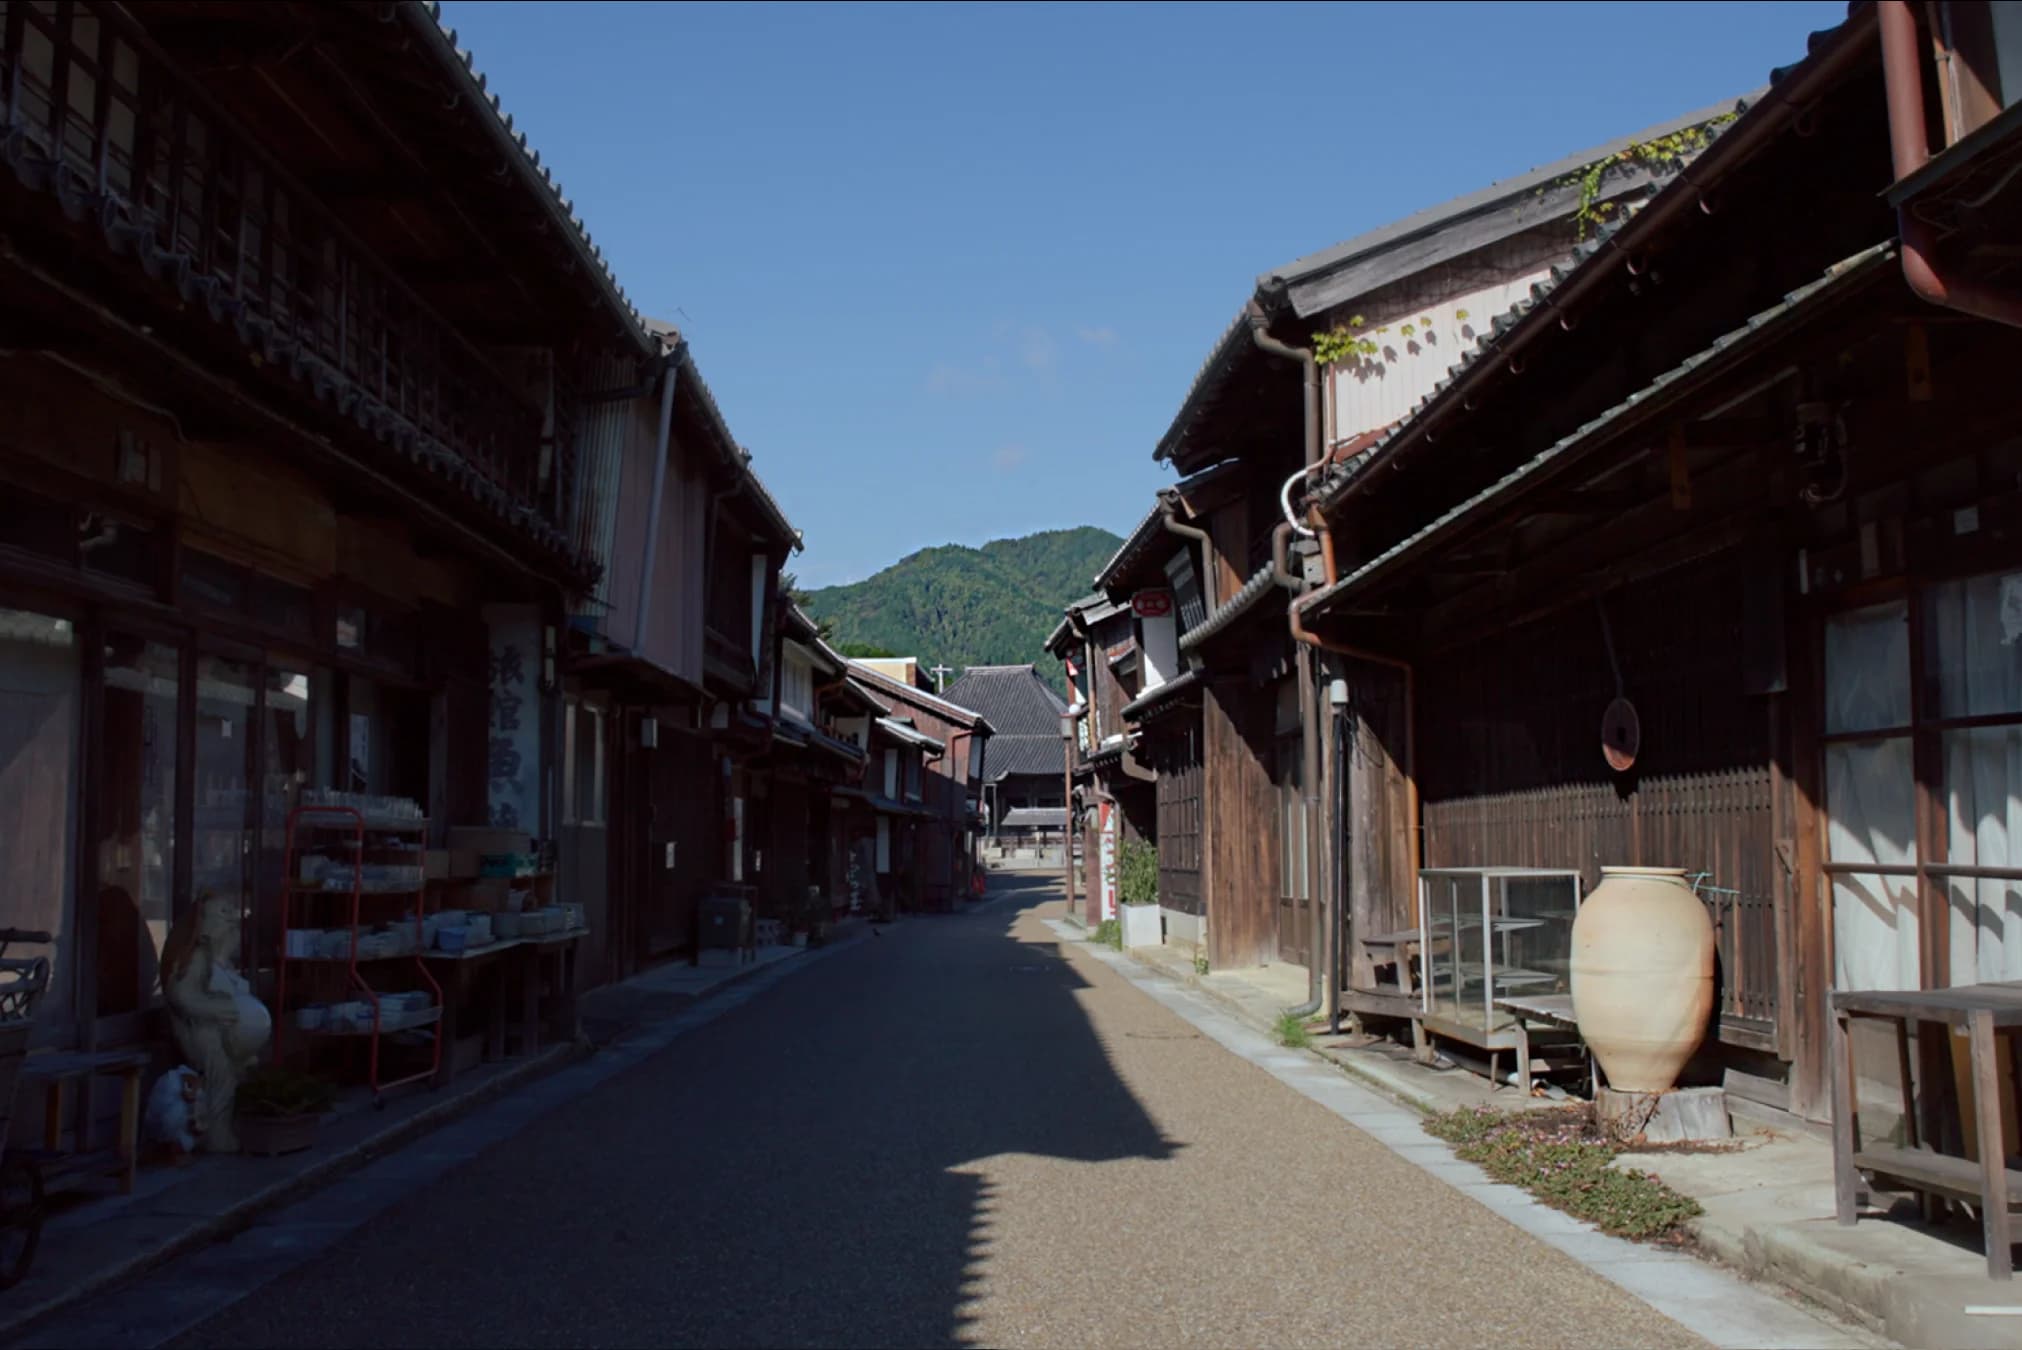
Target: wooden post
(129, 1127)
(1845, 1126)
(1993, 1162)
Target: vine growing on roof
(1348, 339)
(1659, 153)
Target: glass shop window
(386, 730)
(39, 702)
(137, 827)
(221, 840)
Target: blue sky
(949, 270)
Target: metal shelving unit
(350, 833)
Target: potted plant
(279, 1110)
(1137, 894)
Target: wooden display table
(1980, 1009)
(1550, 1010)
(518, 965)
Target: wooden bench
(55, 1072)
(1553, 1010)
(1988, 1184)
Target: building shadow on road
(800, 1171)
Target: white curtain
(1871, 798)
(1974, 662)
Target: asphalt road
(959, 1132)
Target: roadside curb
(1718, 1301)
(639, 1038)
(1375, 1076)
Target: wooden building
(942, 744)
(1329, 351)
(1024, 760)
(299, 353)
(1096, 643)
(1732, 467)
(1208, 734)
(690, 545)
(819, 745)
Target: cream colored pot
(1642, 975)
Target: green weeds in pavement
(1200, 962)
(1291, 1032)
(1558, 1157)
(1110, 934)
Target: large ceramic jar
(1642, 975)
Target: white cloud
(1005, 458)
(1097, 337)
(948, 378)
(1036, 350)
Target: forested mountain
(964, 606)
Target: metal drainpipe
(1303, 634)
(668, 375)
(1320, 991)
(1909, 146)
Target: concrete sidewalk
(92, 1244)
(1768, 1201)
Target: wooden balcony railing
(97, 115)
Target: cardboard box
(435, 865)
(463, 863)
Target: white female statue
(219, 1026)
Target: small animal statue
(219, 1026)
(177, 1114)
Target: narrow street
(959, 1131)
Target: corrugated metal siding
(1373, 392)
(600, 460)
(674, 628)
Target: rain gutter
(1910, 149)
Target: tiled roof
(1605, 245)
(1514, 197)
(1035, 818)
(913, 736)
(424, 18)
(888, 689)
(1150, 528)
(1254, 593)
(1797, 305)
(1152, 699)
(1022, 754)
(1014, 699)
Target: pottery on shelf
(1642, 967)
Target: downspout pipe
(1909, 147)
(1167, 507)
(669, 373)
(1320, 990)
(1306, 635)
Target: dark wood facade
(1768, 503)
(281, 506)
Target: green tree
(964, 606)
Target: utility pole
(1067, 746)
